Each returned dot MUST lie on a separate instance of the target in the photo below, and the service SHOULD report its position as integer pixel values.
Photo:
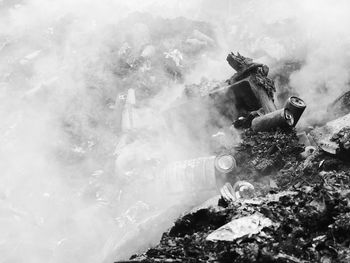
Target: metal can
(277, 119)
(296, 106)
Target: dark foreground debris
(310, 222)
(284, 198)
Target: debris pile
(304, 218)
(287, 196)
(334, 137)
(264, 154)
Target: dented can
(277, 119)
(296, 106)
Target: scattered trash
(271, 121)
(334, 137)
(276, 197)
(238, 228)
(240, 190)
(225, 163)
(289, 258)
(306, 139)
(309, 150)
(288, 215)
(296, 107)
(204, 173)
(227, 193)
(250, 84)
(243, 190)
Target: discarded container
(240, 190)
(296, 106)
(243, 190)
(225, 163)
(189, 175)
(277, 119)
(203, 173)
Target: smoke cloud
(64, 66)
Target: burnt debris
(284, 197)
(307, 213)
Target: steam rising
(63, 65)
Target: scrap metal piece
(240, 227)
(282, 118)
(296, 106)
(329, 146)
(334, 137)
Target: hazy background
(63, 64)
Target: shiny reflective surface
(297, 102)
(289, 117)
(225, 163)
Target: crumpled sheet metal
(323, 135)
(240, 227)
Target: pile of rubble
(286, 196)
(307, 208)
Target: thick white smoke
(60, 73)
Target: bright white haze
(59, 78)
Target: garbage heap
(300, 207)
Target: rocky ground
(308, 199)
